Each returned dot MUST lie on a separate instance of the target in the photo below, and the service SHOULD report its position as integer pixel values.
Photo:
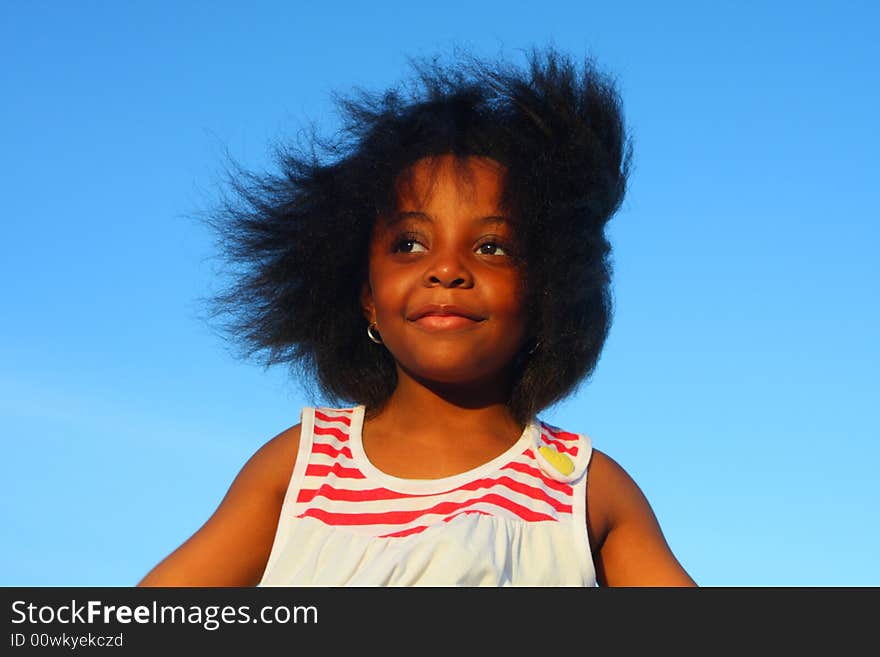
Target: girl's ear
(367, 302)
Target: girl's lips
(445, 309)
(444, 322)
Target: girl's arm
(631, 548)
(232, 547)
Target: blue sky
(738, 385)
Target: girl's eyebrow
(399, 216)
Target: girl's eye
(407, 245)
(491, 248)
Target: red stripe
(405, 532)
(536, 472)
(382, 494)
(330, 450)
(420, 528)
(406, 517)
(305, 496)
(556, 432)
(317, 470)
(333, 418)
(522, 488)
(347, 495)
(573, 450)
(340, 435)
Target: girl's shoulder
(266, 474)
(612, 493)
(232, 547)
(277, 457)
(607, 482)
(629, 548)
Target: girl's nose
(448, 270)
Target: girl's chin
(446, 374)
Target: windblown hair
(299, 238)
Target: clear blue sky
(737, 383)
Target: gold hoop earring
(375, 338)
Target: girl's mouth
(445, 322)
(445, 317)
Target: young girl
(441, 273)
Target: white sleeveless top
(518, 520)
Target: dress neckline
(427, 486)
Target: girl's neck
(449, 408)
(427, 430)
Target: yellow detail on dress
(558, 460)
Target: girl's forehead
(450, 181)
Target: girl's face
(443, 290)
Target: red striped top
(341, 488)
(516, 520)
